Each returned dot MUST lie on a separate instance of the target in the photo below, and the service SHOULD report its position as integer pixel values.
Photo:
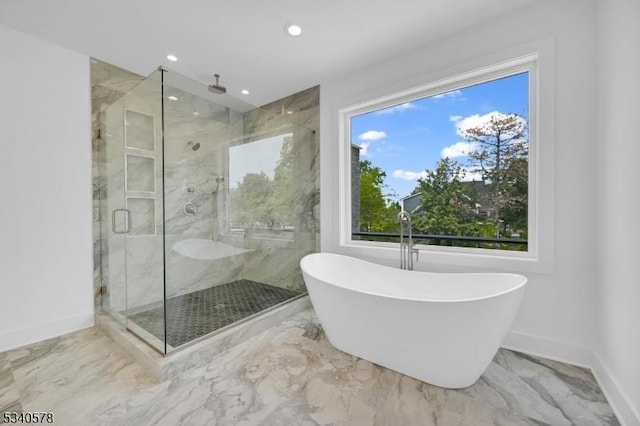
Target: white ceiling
(244, 40)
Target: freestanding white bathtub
(443, 329)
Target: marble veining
(291, 375)
(189, 176)
(9, 398)
(108, 84)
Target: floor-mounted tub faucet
(406, 247)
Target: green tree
(281, 201)
(250, 200)
(377, 212)
(501, 154)
(516, 187)
(447, 207)
(260, 200)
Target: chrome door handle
(128, 221)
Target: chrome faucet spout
(406, 248)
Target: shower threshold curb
(162, 368)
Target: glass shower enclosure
(207, 205)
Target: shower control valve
(190, 209)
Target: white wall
(587, 310)
(45, 190)
(557, 314)
(618, 334)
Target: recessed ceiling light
(244, 91)
(196, 113)
(289, 112)
(293, 29)
(172, 98)
(172, 58)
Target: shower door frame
(121, 241)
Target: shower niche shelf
(140, 180)
(139, 130)
(140, 173)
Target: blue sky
(406, 139)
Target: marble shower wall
(303, 109)
(197, 137)
(108, 84)
(131, 166)
(275, 261)
(193, 176)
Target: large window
(261, 184)
(456, 155)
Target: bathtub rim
(515, 288)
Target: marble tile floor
(287, 375)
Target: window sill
(451, 259)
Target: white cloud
(398, 108)
(471, 174)
(452, 94)
(409, 175)
(364, 147)
(476, 120)
(455, 118)
(459, 149)
(372, 135)
(368, 137)
(472, 121)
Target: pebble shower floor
(197, 314)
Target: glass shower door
(207, 205)
(132, 192)
(238, 192)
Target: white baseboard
(28, 335)
(547, 348)
(627, 414)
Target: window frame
(503, 259)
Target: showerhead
(194, 146)
(216, 87)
